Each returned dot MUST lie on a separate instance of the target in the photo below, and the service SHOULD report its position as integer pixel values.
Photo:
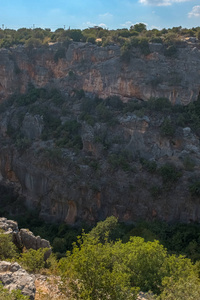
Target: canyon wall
(101, 71)
(88, 184)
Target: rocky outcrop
(24, 237)
(101, 71)
(14, 277)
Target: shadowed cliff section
(77, 159)
(104, 71)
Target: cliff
(74, 158)
(102, 71)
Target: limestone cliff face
(101, 71)
(85, 187)
(95, 182)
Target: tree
(139, 27)
(99, 269)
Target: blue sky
(111, 14)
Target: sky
(111, 14)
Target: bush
(159, 104)
(7, 249)
(167, 129)
(182, 289)
(169, 173)
(5, 294)
(170, 51)
(113, 270)
(60, 53)
(33, 260)
(195, 188)
(120, 160)
(150, 166)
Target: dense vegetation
(137, 36)
(102, 266)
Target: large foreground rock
(24, 237)
(13, 277)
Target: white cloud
(127, 24)
(195, 12)
(102, 25)
(161, 2)
(106, 15)
(89, 24)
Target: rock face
(14, 277)
(24, 237)
(101, 71)
(106, 176)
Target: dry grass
(47, 288)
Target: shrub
(167, 129)
(195, 188)
(33, 260)
(170, 51)
(7, 249)
(169, 173)
(159, 104)
(98, 269)
(120, 160)
(5, 294)
(182, 289)
(60, 53)
(150, 166)
(114, 102)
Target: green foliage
(104, 114)
(169, 173)
(159, 104)
(167, 129)
(114, 102)
(80, 94)
(104, 230)
(53, 156)
(33, 260)
(195, 188)
(155, 191)
(60, 53)
(5, 294)
(22, 143)
(75, 34)
(120, 160)
(139, 27)
(125, 52)
(99, 269)
(68, 134)
(150, 166)
(38, 37)
(182, 289)
(170, 51)
(33, 43)
(7, 249)
(188, 163)
(94, 272)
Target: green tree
(139, 27)
(7, 249)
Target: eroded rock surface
(14, 277)
(100, 71)
(24, 237)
